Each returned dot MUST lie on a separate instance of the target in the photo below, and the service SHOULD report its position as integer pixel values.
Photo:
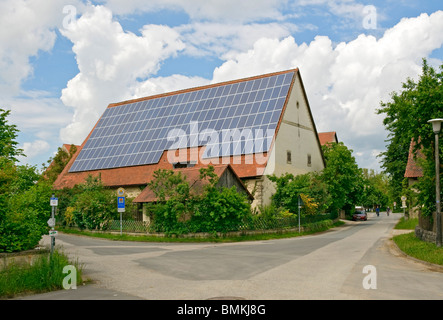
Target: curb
(435, 267)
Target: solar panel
(230, 119)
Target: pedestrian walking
(377, 210)
(388, 210)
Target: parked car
(360, 215)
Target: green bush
(216, 209)
(94, 206)
(221, 210)
(24, 218)
(21, 231)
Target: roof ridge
(212, 85)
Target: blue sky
(62, 62)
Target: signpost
(403, 205)
(121, 206)
(300, 204)
(51, 222)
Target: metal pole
(121, 222)
(299, 205)
(52, 228)
(438, 239)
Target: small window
(288, 157)
(179, 165)
(309, 160)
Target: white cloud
(223, 40)
(33, 149)
(112, 63)
(205, 10)
(346, 83)
(26, 28)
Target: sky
(63, 61)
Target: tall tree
(8, 136)
(343, 177)
(406, 119)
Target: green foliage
(8, 134)
(309, 186)
(94, 205)
(342, 176)
(406, 119)
(23, 203)
(43, 275)
(54, 166)
(376, 189)
(179, 210)
(221, 210)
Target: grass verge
(408, 224)
(419, 249)
(43, 275)
(253, 237)
(414, 247)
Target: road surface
(355, 261)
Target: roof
(140, 174)
(197, 185)
(413, 170)
(137, 132)
(327, 137)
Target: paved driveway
(329, 265)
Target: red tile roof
(413, 170)
(327, 137)
(141, 175)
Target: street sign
(54, 202)
(121, 204)
(121, 192)
(53, 233)
(51, 222)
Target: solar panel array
(225, 118)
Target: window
(288, 157)
(187, 164)
(309, 160)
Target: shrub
(216, 209)
(221, 210)
(94, 206)
(24, 218)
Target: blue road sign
(120, 202)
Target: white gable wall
(298, 135)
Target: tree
(406, 119)
(342, 176)
(376, 186)
(309, 186)
(23, 203)
(55, 165)
(8, 136)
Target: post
(52, 237)
(436, 127)
(437, 193)
(51, 222)
(300, 202)
(121, 206)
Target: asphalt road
(355, 261)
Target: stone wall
(20, 258)
(424, 235)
